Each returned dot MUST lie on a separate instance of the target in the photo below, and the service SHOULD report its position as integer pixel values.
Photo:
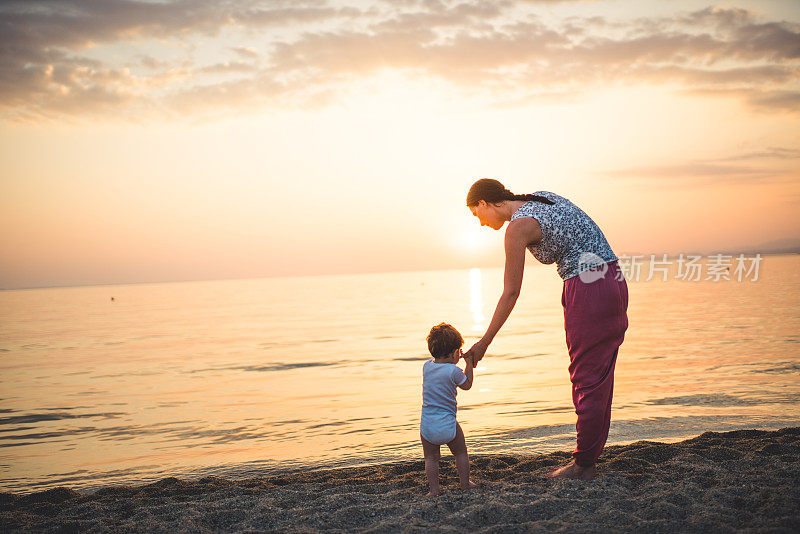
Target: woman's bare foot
(433, 493)
(574, 471)
(470, 486)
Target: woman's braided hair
(492, 191)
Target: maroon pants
(595, 320)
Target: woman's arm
(519, 234)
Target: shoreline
(715, 482)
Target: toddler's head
(443, 342)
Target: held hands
(476, 353)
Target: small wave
(522, 356)
(539, 410)
(756, 367)
(38, 417)
(93, 479)
(16, 429)
(269, 368)
(284, 366)
(324, 425)
(522, 333)
(789, 367)
(713, 399)
(127, 374)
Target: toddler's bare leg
(431, 465)
(459, 449)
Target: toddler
(438, 425)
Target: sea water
(127, 384)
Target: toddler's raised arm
(468, 371)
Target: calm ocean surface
(237, 378)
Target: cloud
(152, 63)
(775, 100)
(762, 74)
(55, 56)
(228, 67)
(792, 199)
(758, 99)
(44, 37)
(691, 170)
(719, 17)
(440, 16)
(245, 52)
(714, 171)
(772, 153)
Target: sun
(474, 238)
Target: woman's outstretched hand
(476, 353)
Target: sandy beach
(746, 480)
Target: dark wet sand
(745, 480)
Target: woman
(594, 298)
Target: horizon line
(791, 251)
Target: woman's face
(487, 214)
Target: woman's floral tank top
(570, 238)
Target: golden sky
(198, 139)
